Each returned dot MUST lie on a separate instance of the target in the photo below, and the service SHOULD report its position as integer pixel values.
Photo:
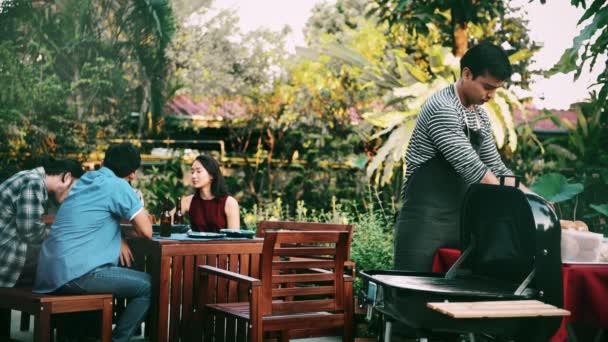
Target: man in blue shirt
(82, 250)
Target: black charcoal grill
(511, 251)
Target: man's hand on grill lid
(490, 178)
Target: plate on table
(205, 235)
(236, 233)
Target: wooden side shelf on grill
(498, 309)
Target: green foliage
(212, 57)
(555, 188)
(600, 208)
(417, 25)
(586, 144)
(294, 160)
(160, 183)
(333, 19)
(407, 87)
(372, 246)
(298, 139)
(416, 14)
(589, 45)
(79, 69)
(578, 155)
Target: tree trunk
(461, 41)
(459, 26)
(144, 108)
(76, 97)
(271, 144)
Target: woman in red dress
(211, 207)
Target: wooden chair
(42, 306)
(265, 226)
(322, 299)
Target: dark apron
(430, 215)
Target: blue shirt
(86, 232)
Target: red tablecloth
(444, 259)
(585, 291)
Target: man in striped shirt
(451, 147)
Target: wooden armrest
(348, 278)
(207, 270)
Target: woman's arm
(233, 220)
(186, 200)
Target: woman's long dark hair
(218, 186)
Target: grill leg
(388, 326)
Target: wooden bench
(42, 306)
(498, 309)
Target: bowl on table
(175, 228)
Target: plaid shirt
(22, 199)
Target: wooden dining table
(172, 264)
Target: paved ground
(27, 336)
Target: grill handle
(503, 177)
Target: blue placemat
(185, 237)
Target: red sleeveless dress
(207, 215)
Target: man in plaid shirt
(22, 201)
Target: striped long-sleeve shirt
(440, 128)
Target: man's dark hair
(487, 58)
(54, 166)
(218, 185)
(122, 159)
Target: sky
(552, 24)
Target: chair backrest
(265, 226)
(312, 285)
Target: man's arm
(29, 210)
(488, 153)
(141, 223)
(447, 135)
(141, 227)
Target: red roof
(545, 124)
(210, 109)
(183, 105)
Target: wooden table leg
(42, 324)
(163, 299)
(5, 324)
(24, 324)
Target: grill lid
(511, 235)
